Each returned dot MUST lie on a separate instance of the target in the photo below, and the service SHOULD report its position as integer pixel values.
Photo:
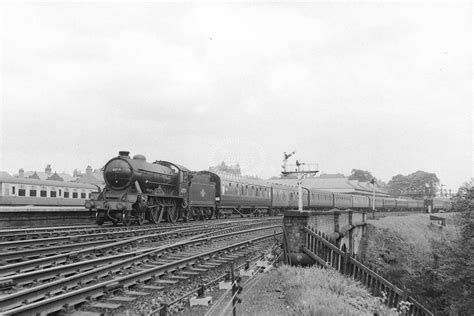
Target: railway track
(45, 256)
(67, 231)
(149, 270)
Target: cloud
(384, 87)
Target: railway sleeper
(112, 288)
(178, 277)
(7, 284)
(190, 273)
(153, 287)
(136, 293)
(166, 282)
(207, 266)
(106, 305)
(221, 261)
(124, 299)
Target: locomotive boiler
(137, 190)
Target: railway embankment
(290, 290)
(429, 259)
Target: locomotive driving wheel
(209, 213)
(155, 213)
(186, 214)
(141, 215)
(127, 218)
(172, 212)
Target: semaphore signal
(301, 170)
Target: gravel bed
(145, 305)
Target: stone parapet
(335, 223)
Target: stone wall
(342, 226)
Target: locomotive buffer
(301, 170)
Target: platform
(21, 216)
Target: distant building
(91, 176)
(223, 168)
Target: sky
(380, 87)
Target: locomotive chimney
(124, 153)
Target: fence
(327, 254)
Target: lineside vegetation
(319, 291)
(433, 263)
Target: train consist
(139, 191)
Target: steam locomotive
(139, 191)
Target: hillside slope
(404, 250)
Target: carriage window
(32, 192)
(21, 192)
(43, 193)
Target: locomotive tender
(137, 190)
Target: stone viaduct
(344, 228)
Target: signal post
(301, 170)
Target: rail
(328, 255)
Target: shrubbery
(435, 265)
(318, 291)
(451, 272)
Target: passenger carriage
(320, 199)
(342, 201)
(242, 195)
(360, 202)
(389, 204)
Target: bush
(318, 291)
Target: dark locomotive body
(139, 191)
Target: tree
(360, 175)
(417, 184)
(453, 267)
(461, 201)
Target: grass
(404, 240)
(400, 247)
(317, 291)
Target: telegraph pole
(301, 171)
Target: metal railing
(326, 254)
